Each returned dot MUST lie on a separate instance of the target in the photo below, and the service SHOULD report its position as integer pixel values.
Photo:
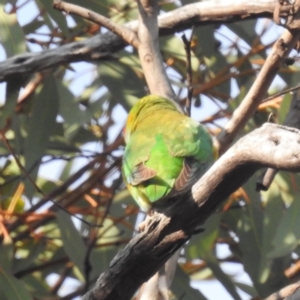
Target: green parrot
(166, 152)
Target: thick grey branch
(103, 45)
(293, 120)
(165, 233)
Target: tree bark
(271, 145)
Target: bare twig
(29, 90)
(281, 93)
(126, 34)
(247, 108)
(189, 73)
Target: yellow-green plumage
(166, 151)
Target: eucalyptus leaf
(72, 241)
(12, 37)
(288, 234)
(12, 92)
(59, 18)
(223, 278)
(126, 91)
(245, 30)
(11, 288)
(182, 289)
(41, 126)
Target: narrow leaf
(72, 241)
(182, 289)
(12, 37)
(40, 128)
(12, 288)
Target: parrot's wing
(192, 142)
(192, 170)
(140, 173)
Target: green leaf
(202, 244)
(39, 285)
(17, 126)
(284, 107)
(122, 82)
(118, 206)
(7, 256)
(281, 187)
(223, 278)
(12, 37)
(290, 75)
(11, 288)
(72, 240)
(41, 126)
(250, 236)
(100, 259)
(35, 249)
(69, 108)
(242, 80)
(288, 234)
(245, 30)
(80, 135)
(101, 256)
(274, 207)
(246, 289)
(32, 26)
(212, 58)
(12, 92)
(57, 16)
(101, 7)
(182, 289)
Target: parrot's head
(144, 108)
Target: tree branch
(103, 45)
(149, 51)
(258, 90)
(289, 292)
(125, 33)
(293, 120)
(165, 233)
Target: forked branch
(148, 251)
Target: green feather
(162, 146)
